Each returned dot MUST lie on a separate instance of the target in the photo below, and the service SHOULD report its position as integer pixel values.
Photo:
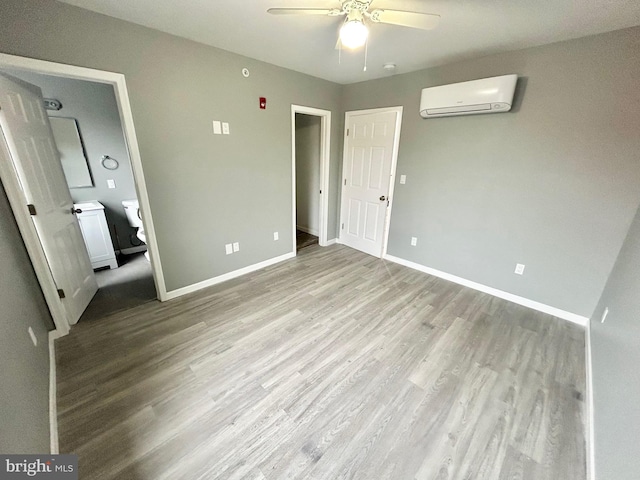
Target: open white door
(370, 154)
(28, 136)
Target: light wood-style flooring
(332, 365)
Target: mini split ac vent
(487, 95)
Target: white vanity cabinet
(95, 231)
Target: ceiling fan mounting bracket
(360, 6)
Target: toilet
(132, 209)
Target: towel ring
(109, 163)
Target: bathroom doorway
(114, 169)
(310, 154)
(88, 132)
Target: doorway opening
(307, 180)
(310, 134)
(124, 171)
(88, 133)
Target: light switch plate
(276, 236)
(403, 179)
(225, 128)
(236, 246)
(228, 248)
(111, 183)
(217, 129)
(414, 241)
(519, 269)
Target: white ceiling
(468, 29)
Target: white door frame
(16, 197)
(325, 155)
(394, 162)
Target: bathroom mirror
(74, 161)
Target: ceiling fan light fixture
(354, 33)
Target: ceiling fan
(354, 32)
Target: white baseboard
(130, 250)
(333, 241)
(53, 396)
(310, 231)
(541, 307)
(228, 276)
(591, 458)
(111, 263)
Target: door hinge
(343, 226)
(32, 209)
(345, 182)
(347, 132)
(61, 293)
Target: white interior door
(28, 135)
(369, 159)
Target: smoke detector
(389, 67)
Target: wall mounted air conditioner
(487, 95)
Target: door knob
(75, 210)
(383, 198)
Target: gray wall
(24, 375)
(615, 352)
(554, 184)
(94, 107)
(205, 190)
(308, 172)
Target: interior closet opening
(311, 129)
(307, 179)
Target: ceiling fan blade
(424, 21)
(305, 11)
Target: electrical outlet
(217, 128)
(519, 269)
(34, 339)
(228, 248)
(225, 128)
(111, 183)
(276, 236)
(236, 246)
(414, 241)
(403, 179)
(604, 315)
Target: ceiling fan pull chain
(366, 50)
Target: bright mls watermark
(52, 467)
